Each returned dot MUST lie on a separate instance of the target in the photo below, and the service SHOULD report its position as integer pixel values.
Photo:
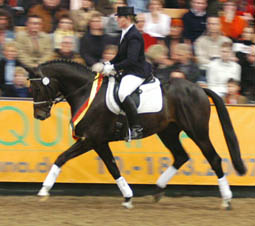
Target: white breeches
(128, 84)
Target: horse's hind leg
(203, 141)
(170, 138)
(105, 153)
(78, 148)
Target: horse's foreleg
(105, 154)
(78, 148)
(170, 138)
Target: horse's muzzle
(41, 115)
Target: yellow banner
(29, 147)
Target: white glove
(108, 70)
(98, 67)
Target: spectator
(203, 84)
(157, 55)
(50, 12)
(8, 19)
(65, 28)
(65, 4)
(233, 93)
(34, 46)
(5, 6)
(67, 50)
(81, 16)
(21, 8)
(177, 74)
(110, 22)
(93, 43)
(109, 53)
(184, 62)
(219, 71)
(174, 37)
(17, 11)
(214, 7)
(177, 4)
(194, 20)
(139, 6)
(75, 4)
(8, 64)
(246, 9)
(6, 29)
(232, 25)
(242, 45)
(19, 87)
(208, 46)
(157, 24)
(148, 39)
(104, 6)
(248, 76)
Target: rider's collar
(124, 31)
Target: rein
(73, 93)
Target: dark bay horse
(185, 108)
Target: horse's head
(44, 92)
(50, 80)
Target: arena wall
(29, 147)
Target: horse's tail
(228, 131)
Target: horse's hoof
(43, 192)
(43, 198)
(159, 194)
(157, 197)
(226, 204)
(127, 203)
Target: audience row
(211, 49)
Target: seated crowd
(212, 44)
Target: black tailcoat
(130, 58)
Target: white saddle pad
(151, 99)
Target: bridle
(48, 89)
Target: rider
(130, 60)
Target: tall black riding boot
(129, 107)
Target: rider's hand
(108, 70)
(98, 67)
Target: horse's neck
(76, 91)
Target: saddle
(148, 99)
(148, 96)
(135, 95)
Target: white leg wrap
(51, 177)
(225, 191)
(166, 176)
(124, 187)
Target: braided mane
(79, 66)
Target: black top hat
(125, 11)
